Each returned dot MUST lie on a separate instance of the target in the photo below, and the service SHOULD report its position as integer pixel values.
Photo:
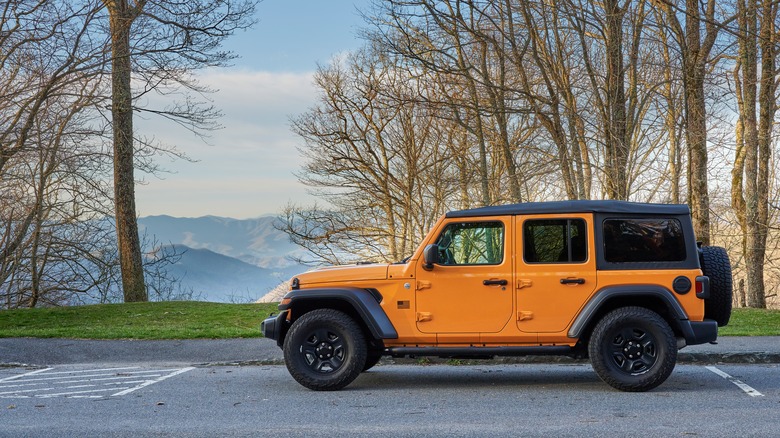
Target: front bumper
(275, 327)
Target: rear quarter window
(643, 240)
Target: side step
(480, 352)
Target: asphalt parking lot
(60, 387)
(389, 400)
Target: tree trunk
(696, 137)
(497, 98)
(750, 176)
(615, 126)
(738, 172)
(758, 201)
(128, 242)
(694, 55)
(749, 58)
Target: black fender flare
(362, 301)
(634, 291)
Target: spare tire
(716, 265)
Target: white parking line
(149, 382)
(747, 388)
(88, 383)
(84, 376)
(20, 376)
(91, 378)
(60, 394)
(99, 370)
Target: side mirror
(430, 256)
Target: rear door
(555, 268)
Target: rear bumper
(699, 332)
(275, 327)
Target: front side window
(555, 241)
(643, 240)
(472, 243)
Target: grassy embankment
(199, 320)
(163, 320)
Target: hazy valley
(223, 259)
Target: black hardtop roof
(585, 206)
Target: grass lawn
(162, 320)
(200, 320)
(752, 322)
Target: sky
(246, 169)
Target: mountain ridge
(224, 259)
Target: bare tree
(696, 37)
(50, 83)
(32, 78)
(55, 243)
(461, 45)
(162, 42)
(577, 99)
(373, 154)
(756, 98)
(671, 106)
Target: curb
(28, 352)
(682, 358)
(735, 358)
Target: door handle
(572, 281)
(501, 282)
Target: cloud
(246, 169)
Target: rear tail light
(703, 287)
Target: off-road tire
(716, 265)
(325, 350)
(633, 349)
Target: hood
(352, 273)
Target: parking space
(389, 400)
(82, 383)
(747, 389)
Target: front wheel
(325, 350)
(633, 349)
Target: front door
(470, 289)
(556, 270)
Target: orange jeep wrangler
(622, 283)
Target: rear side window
(554, 241)
(643, 240)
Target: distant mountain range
(223, 259)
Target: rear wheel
(325, 350)
(633, 349)
(716, 265)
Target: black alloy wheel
(325, 350)
(633, 349)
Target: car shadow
(476, 376)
